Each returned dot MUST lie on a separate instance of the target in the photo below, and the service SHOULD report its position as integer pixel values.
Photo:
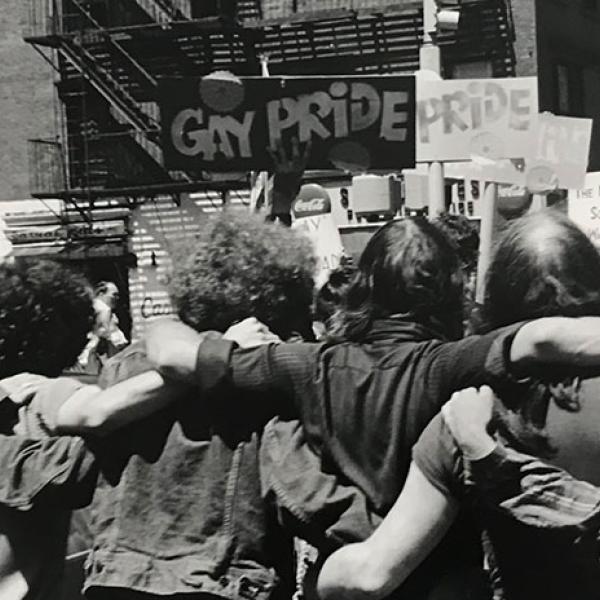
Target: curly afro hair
(239, 266)
(46, 312)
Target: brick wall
(524, 20)
(26, 100)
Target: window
(473, 70)
(569, 99)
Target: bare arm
(412, 529)
(97, 411)
(558, 340)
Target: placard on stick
(224, 123)
(459, 119)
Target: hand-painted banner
(223, 123)
(458, 119)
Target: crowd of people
(416, 461)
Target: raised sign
(460, 119)
(224, 123)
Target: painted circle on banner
(513, 201)
(312, 199)
(541, 179)
(487, 145)
(222, 91)
(350, 156)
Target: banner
(459, 119)
(224, 123)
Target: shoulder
(438, 458)
(128, 363)
(37, 419)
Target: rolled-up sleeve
(532, 491)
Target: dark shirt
(539, 526)
(363, 406)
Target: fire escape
(110, 55)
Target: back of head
(544, 265)
(464, 236)
(409, 267)
(46, 314)
(239, 266)
(331, 294)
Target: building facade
(83, 126)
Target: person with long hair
(539, 526)
(365, 400)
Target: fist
(467, 415)
(172, 348)
(250, 333)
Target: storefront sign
(69, 232)
(224, 123)
(459, 119)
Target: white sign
(559, 157)
(584, 207)
(459, 119)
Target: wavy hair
(239, 266)
(408, 267)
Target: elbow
(537, 342)
(353, 573)
(97, 422)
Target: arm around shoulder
(414, 526)
(558, 340)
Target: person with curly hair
(364, 401)
(179, 504)
(46, 312)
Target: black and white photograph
(300, 300)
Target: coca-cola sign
(312, 200)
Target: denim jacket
(178, 509)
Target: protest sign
(312, 213)
(554, 155)
(559, 157)
(459, 119)
(584, 207)
(223, 123)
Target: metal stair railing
(149, 79)
(110, 89)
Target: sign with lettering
(459, 119)
(559, 158)
(100, 230)
(223, 123)
(555, 156)
(584, 207)
(312, 217)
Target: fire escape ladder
(148, 79)
(110, 89)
